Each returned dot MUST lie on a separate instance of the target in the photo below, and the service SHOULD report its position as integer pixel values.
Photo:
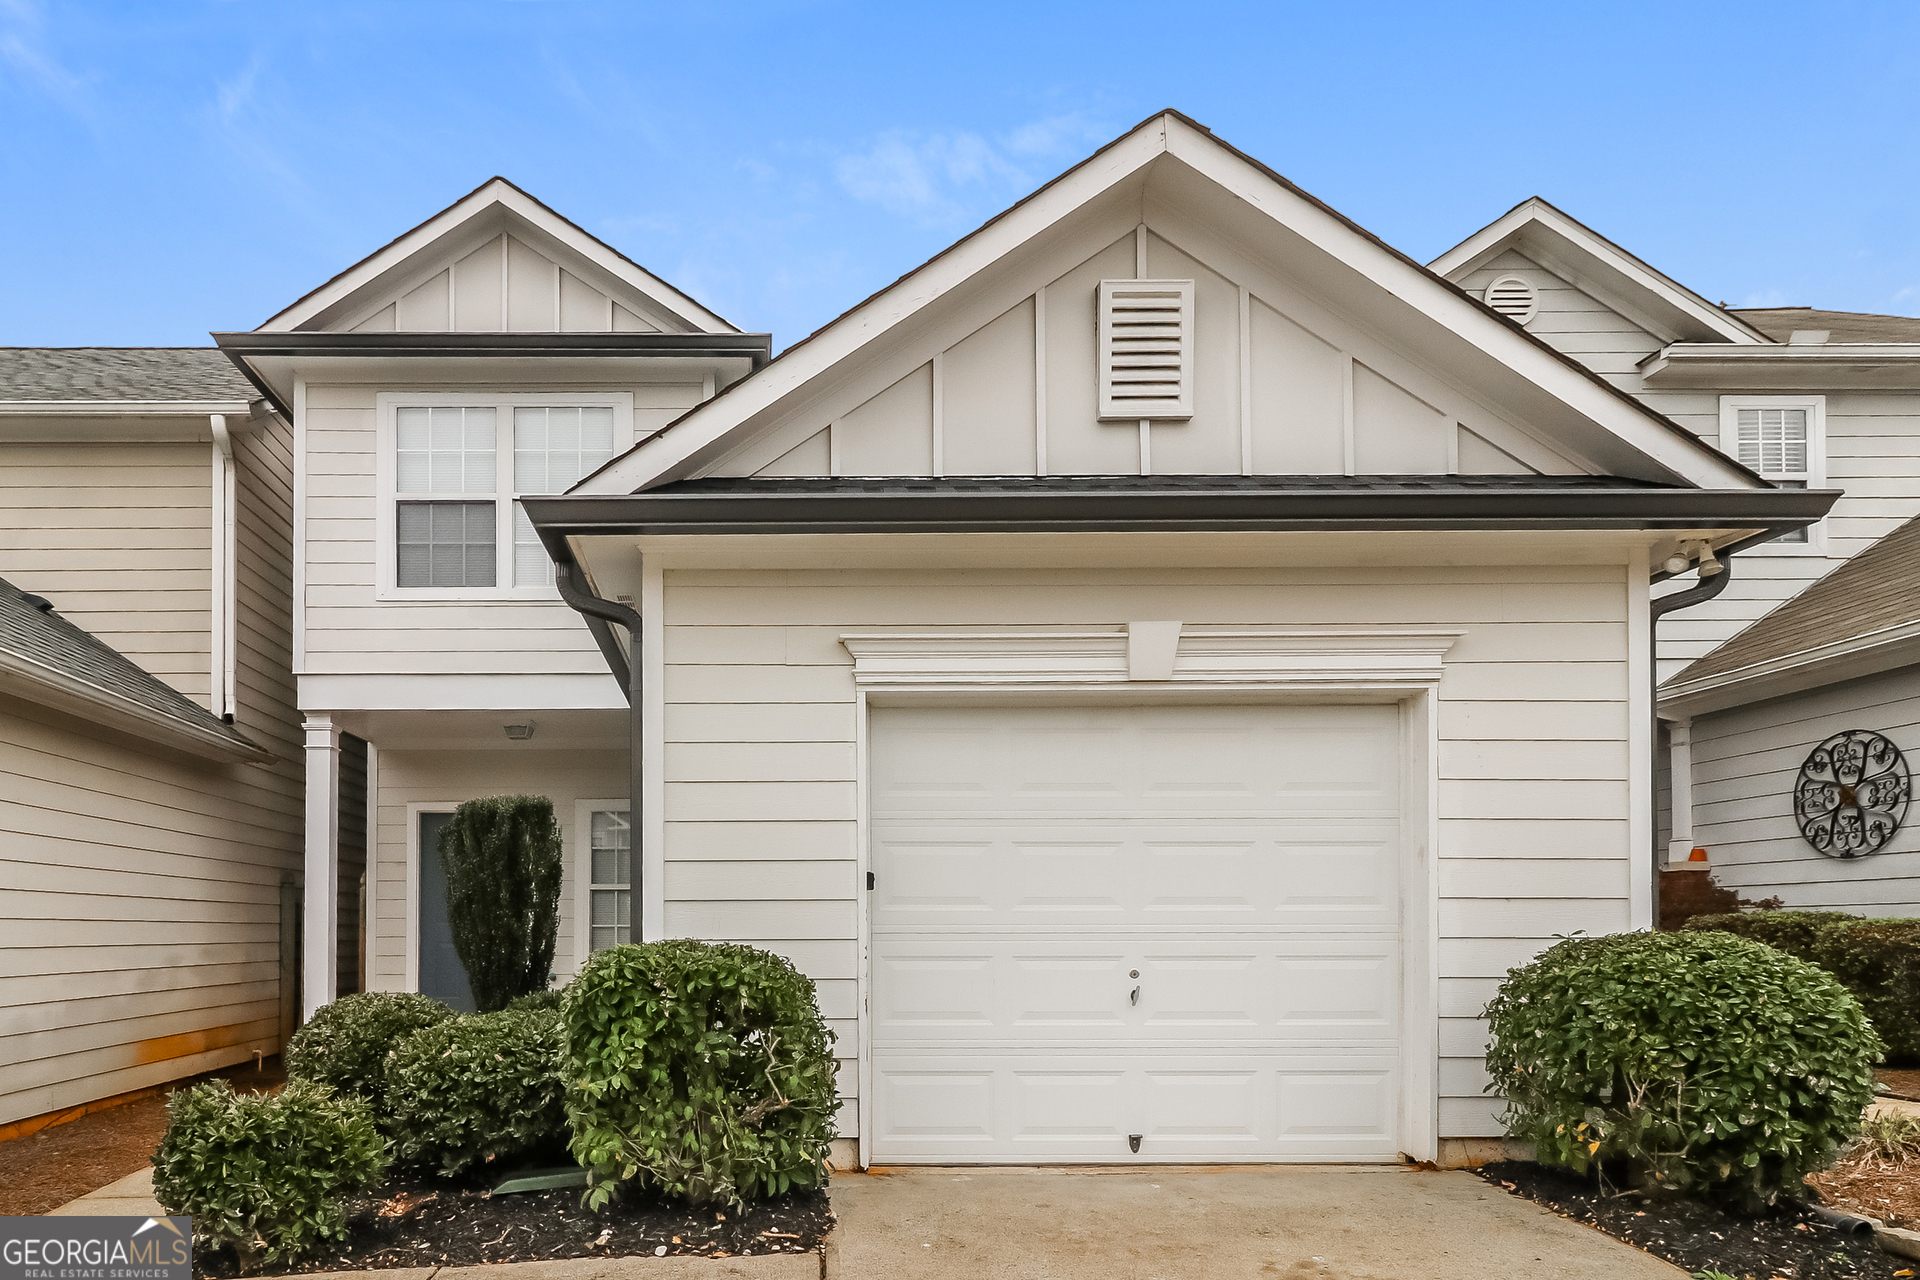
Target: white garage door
(1180, 923)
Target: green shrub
(478, 1088)
(1878, 960)
(539, 1000)
(502, 856)
(1891, 1135)
(1701, 1062)
(266, 1173)
(703, 1069)
(346, 1043)
(1795, 932)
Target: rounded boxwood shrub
(266, 1173)
(1701, 1062)
(704, 1070)
(346, 1043)
(474, 1089)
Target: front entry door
(442, 976)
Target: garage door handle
(1135, 997)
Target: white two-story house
(1155, 666)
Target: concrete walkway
(130, 1197)
(1297, 1222)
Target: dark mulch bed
(1789, 1242)
(434, 1223)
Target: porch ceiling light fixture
(519, 732)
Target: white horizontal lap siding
(1745, 764)
(119, 537)
(1573, 322)
(139, 911)
(761, 802)
(1873, 455)
(349, 631)
(449, 778)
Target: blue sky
(171, 168)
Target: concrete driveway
(1292, 1222)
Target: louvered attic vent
(1146, 349)
(1513, 298)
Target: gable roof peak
(1547, 234)
(496, 205)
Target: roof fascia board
(1877, 651)
(1744, 511)
(1668, 444)
(756, 347)
(695, 439)
(692, 440)
(38, 683)
(495, 192)
(1814, 366)
(1592, 254)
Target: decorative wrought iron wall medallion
(1852, 794)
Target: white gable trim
(714, 430)
(496, 194)
(1593, 263)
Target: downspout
(225, 589)
(626, 667)
(1708, 588)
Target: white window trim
(386, 569)
(581, 860)
(1729, 444)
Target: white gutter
(1875, 651)
(220, 699)
(36, 682)
(104, 408)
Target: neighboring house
(1806, 701)
(152, 779)
(1155, 666)
(1809, 398)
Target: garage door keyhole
(1135, 997)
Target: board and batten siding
(119, 536)
(410, 777)
(760, 807)
(1745, 763)
(1282, 384)
(349, 631)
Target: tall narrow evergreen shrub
(502, 856)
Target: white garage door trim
(1167, 663)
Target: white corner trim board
(1384, 658)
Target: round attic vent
(1513, 298)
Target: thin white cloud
(941, 177)
(26, 60)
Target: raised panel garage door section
(1100, 925)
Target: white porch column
(1680, 762)
(321, 925)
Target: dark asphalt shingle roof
(1141, 484)
(50, 640)
(120, 373)
(1877, 589)
(1779, 323)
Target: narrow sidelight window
(611, 844)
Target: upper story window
(453, 468)
(1784, 439)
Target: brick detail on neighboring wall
(1690, 890)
